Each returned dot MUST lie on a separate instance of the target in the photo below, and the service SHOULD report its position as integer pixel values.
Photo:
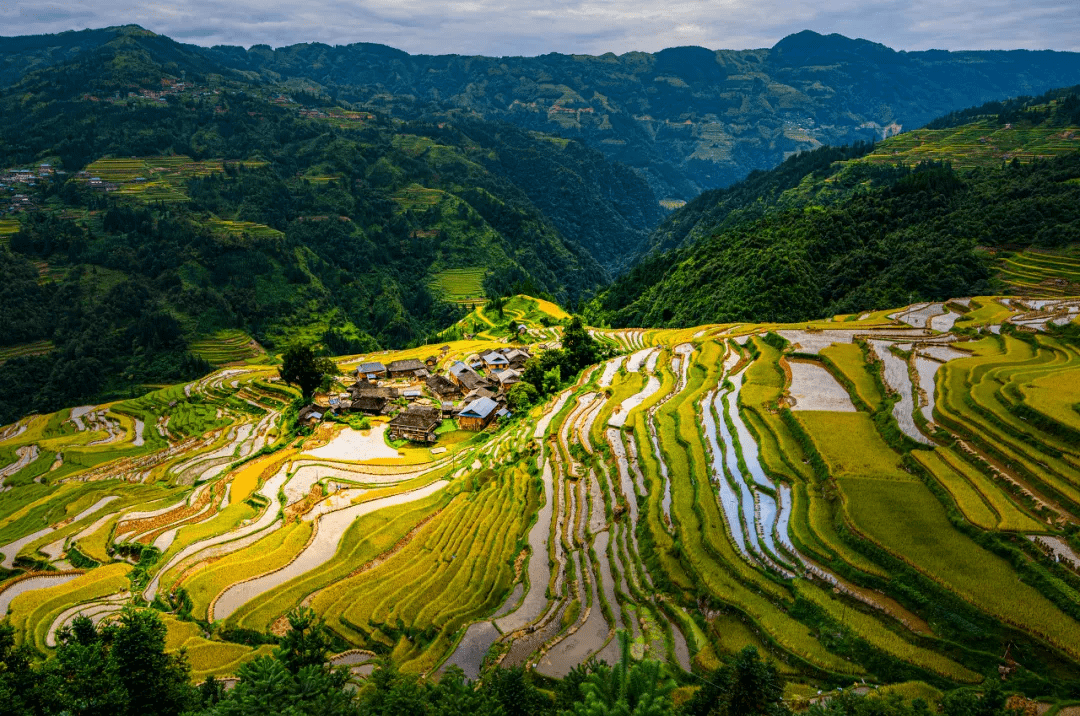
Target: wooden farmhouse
(405, 368)
(495, 361)
(466, 377)
(478, 414)
(370, 405)
(417, 424)
(443, 388)
(371, 371)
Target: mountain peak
(813, 44)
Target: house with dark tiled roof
(506, 378)
(404, 368)
(370, 405)
(443, 388)
(418, 424)
(371, 370)
(364, 389)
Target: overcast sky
(501, 27)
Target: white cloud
(500, 27)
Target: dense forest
(901, 234)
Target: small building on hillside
(466, 377)
(431, 362)
(495, 360)
(443, 388)
(364, 389)
(404, 368)
(480, 393)
(478, 414)
(370, 405)
(417, 424)
(412, 394)
(311, 415)
(506, 378)
(516, 358)
(371, 370)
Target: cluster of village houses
(473, 392)
(12, 180)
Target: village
(417, 396)
(16, 185)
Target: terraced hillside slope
(924, 215)
(882, 497)
(163, 218)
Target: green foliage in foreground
(122, 669)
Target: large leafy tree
(300, 367)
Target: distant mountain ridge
(840, 230)
(688, 118)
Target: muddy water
(469, 654)
(746, 496)
(746, 441)
(589, 637)
(896, 376)
(535, 603)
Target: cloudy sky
(502, 27)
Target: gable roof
(418, 417)
(440, 385)
(479, 408)
(363, 389)
(494, 357)
(410, 364)
(372, 403)
(371, 367)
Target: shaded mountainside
(844, 230)
(188, 204)
(688, 118)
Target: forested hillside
(160, 203)
(688, 118)
(845, 230)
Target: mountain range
(687, 118)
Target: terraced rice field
(229, 346)
(1041, 274)
(464, 286)
(7, 228)
(36, 348)
(865, 494)
(975, 145)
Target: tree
(639, 689)
(301, 368)
(121, 669)
(296, 681)
(521, 395)
(745, 687)
(306, 643)
(581, 348)
(17, 678)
